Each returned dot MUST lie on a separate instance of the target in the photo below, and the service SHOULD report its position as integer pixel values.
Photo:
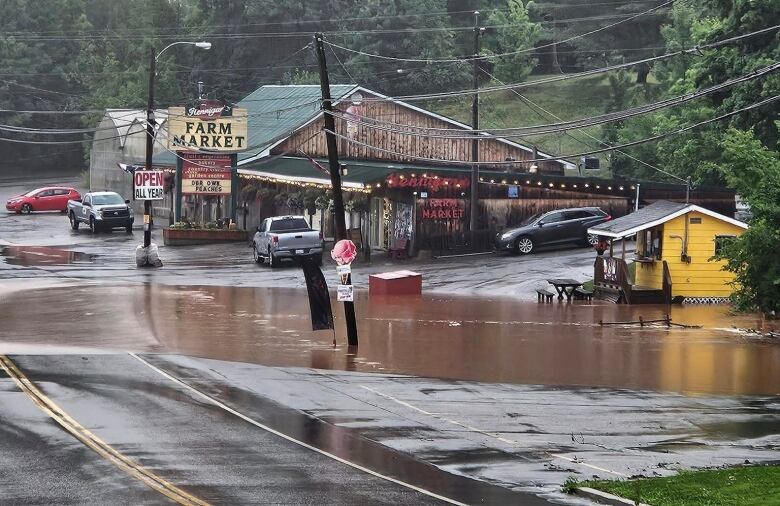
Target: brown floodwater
(469, 338)
(42, 255)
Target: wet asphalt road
(44, 465)
(210, 453)
(479, 441)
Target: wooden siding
(511, 212)
(311, 140)
(701, 277)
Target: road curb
(605, 498)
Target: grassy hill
(568, 100)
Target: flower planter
(185, 237)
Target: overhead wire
(561, 157)
(562, 126)
(599, 141)
(576, 75)
(500, 55)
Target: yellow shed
(680, 239)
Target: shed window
(652, 244)
(722, 240)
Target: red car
(49, 198)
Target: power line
(145, 31)
(576, 75)
(501, 55)
(563, 157)
(600, 142)
(376, 124)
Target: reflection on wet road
(32, 256)
(216, 456)
(482, 339)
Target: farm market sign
(207, 126)
(205, 174)
(443, 209)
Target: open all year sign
(205, 174)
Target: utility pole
(335, 175)
(149, 146)
(475, 126)
(688, 190)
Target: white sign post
(148, 185)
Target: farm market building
(395, 195)
(390, 194)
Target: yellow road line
(291, 439)
(95, 443)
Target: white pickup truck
(286, 237)
(101, 211)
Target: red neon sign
(431, 183)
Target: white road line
(486, 433)
(260, 425)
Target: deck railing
(613, 273)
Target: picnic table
(564, 286)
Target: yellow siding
(701, 277)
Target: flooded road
(450, 337)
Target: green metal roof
(275, 111)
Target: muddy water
(494, 340)
(42, 255)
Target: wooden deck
(612, 283)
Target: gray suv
(561, 227)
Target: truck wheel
(129, 228)
(273, 262)
(318, 259)
(92, 225)
(256, 255)
(26, 209)
(74, 223)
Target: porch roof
(651, 216)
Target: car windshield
(531, 219)
(103, 200)
(289, 225)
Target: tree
(37, 72)
(754, 171)
(513, 31)
(416, 29)
(632, 38)
(697, 153)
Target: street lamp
(150, 143)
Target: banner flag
(319, 298)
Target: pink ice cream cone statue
(344, 252)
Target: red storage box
(395, 283)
